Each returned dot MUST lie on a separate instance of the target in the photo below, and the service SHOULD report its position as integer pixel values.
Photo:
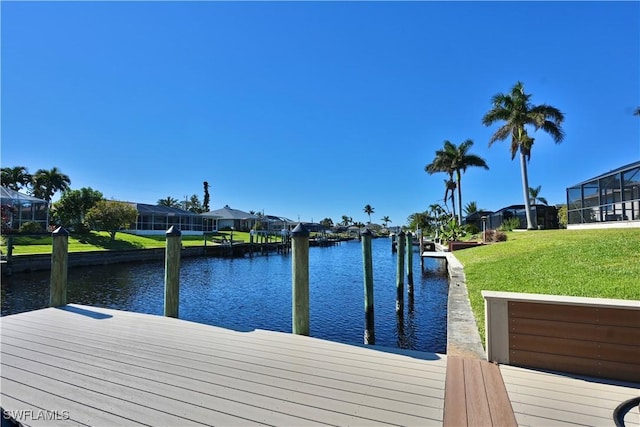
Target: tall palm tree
(346, 220)
(461, 161)
(47, 182)
(368, 210)
(169, 202)
(15, 178)
(386, 221)
(455, 159)
(516, 111)
(534, 195)
(442, 162)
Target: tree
(455, 159)
(111, 216)
(471, 208)
(346, 220)
(636, 112)
(193, 205)
(368, 210)
(386, 221)
(327, 222)
(442, 162)
(47, 182)
(534, 195)
(169, 202)
(205, 200)
(517, 112)
(71, 209)
(15, 178)
(419, 220)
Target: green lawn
(101, 241)
(589, 263)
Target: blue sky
(312, 109)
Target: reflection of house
(612, 198)
(18, 209)
(155, 219)
(546, 216)
(227, 218)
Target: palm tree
(455, 159)
(534, 195)
(368, 210)
(47, 182)
(169, 202)
(461, 161)
(516, 111)
(442, 163)
(15, 178)
(636, 112)
(386, 221)
(471, 208)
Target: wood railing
(586, 336)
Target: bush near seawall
(601, 263)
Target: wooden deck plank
(547, 398)
(455, 406)
(104, 363)
(497, 397)
(407, 369)
(478, 413)
(346, 375)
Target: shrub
(31, 227)
(491, 236)
(510, 224)
(471, 228)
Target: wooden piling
(421, 249)
(409, 262)
(172, 272)
(59, 261)
(400, 246)
(369, 324)
(300, 280)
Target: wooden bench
(475, 395)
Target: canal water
(255, 293)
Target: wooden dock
(79, 365)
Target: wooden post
(172, 272)
(394, 238)
(400, 273)
(300, 278)
(251, 244)
(421, 249)
(59, 258)
(369, 325)
(410, 262)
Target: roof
(228, 213)
(7, 193)
(611, 172)
(144, 208)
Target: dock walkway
(80, 365)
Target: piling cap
(60, 231)
(173, 231)
(366, 232)
(300, 231)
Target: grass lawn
(101, 241)
(588, 263)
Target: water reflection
(255, 293)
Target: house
(19, 209)
(228, 218)
(156, 219)
(608, 200)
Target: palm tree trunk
(459, 198)
(525, 189)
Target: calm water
(255, 293)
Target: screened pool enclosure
(612, 197)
